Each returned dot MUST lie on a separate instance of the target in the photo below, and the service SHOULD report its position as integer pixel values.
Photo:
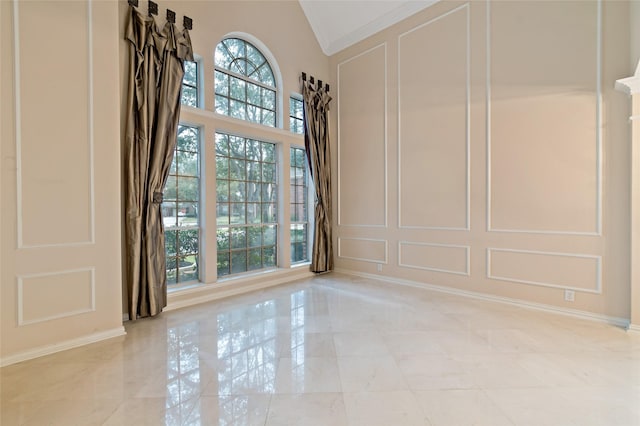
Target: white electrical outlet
(569, 295)
(379, 267)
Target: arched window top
(241, 57)
(245, 83)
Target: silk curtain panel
(316, 140)
(156, 68)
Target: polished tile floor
(338, 350)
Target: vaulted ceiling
(338, 24)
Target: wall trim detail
(598, 259)
(386, 250)
(466, 272)
(467, 226)
(17, 102)
(62, 346)
(386, 121)
(633, 328)
(599, 125)
(20, 301)
(575, 313)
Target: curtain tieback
(157, 197)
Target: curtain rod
(171, 15)
(311, 80)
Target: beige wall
(60, 181)
(492, 141)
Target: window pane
(253, 94)
(269, 152)
(170, 188)
(222, 190)
(187, 138)
(238, 237)
(190, 73)
(269, 213)
(222, 213)
(255, 259)
(269, 99)
(222, 237)
(268, 172)
(170, 243)
(253, 171)
(222, 105)
(237, 191)
(187, 268)
(222, 83)
(238, 261)
(187, 163)
(172, 270)
(222, 144)
(236, 147)
(237, 109)
(188, 214)
(189, 96)
(238, 169)
(188, 188)
(269, 256)
(223, 263)
(188, 241)
(255, 236)
(269, 235)
(237, 213)
(269, 119)
(238, 89)
(254, 213)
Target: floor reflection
(183, 371)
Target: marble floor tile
(338, 350)
(398, 408)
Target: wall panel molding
(444, 247)
(385, 140)
(599, 126)
(18, 122)
(467, 121)
(24, 298)
(574, 263)
(364, 245)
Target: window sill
(190, 294)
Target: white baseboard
(634, 328)
(62, 346)
(620, 322)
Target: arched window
(244, 83)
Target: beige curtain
(156, 68)
(316, 139)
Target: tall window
(180, 209)
(190, 84)
(299, 206)
(296, 124)
(244, 83)
(246, 204)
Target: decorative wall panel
(544, 127)
(365, 249)
(452, 259)
(578, 272)
(362, 119)
(53, 143)
(434, 132)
